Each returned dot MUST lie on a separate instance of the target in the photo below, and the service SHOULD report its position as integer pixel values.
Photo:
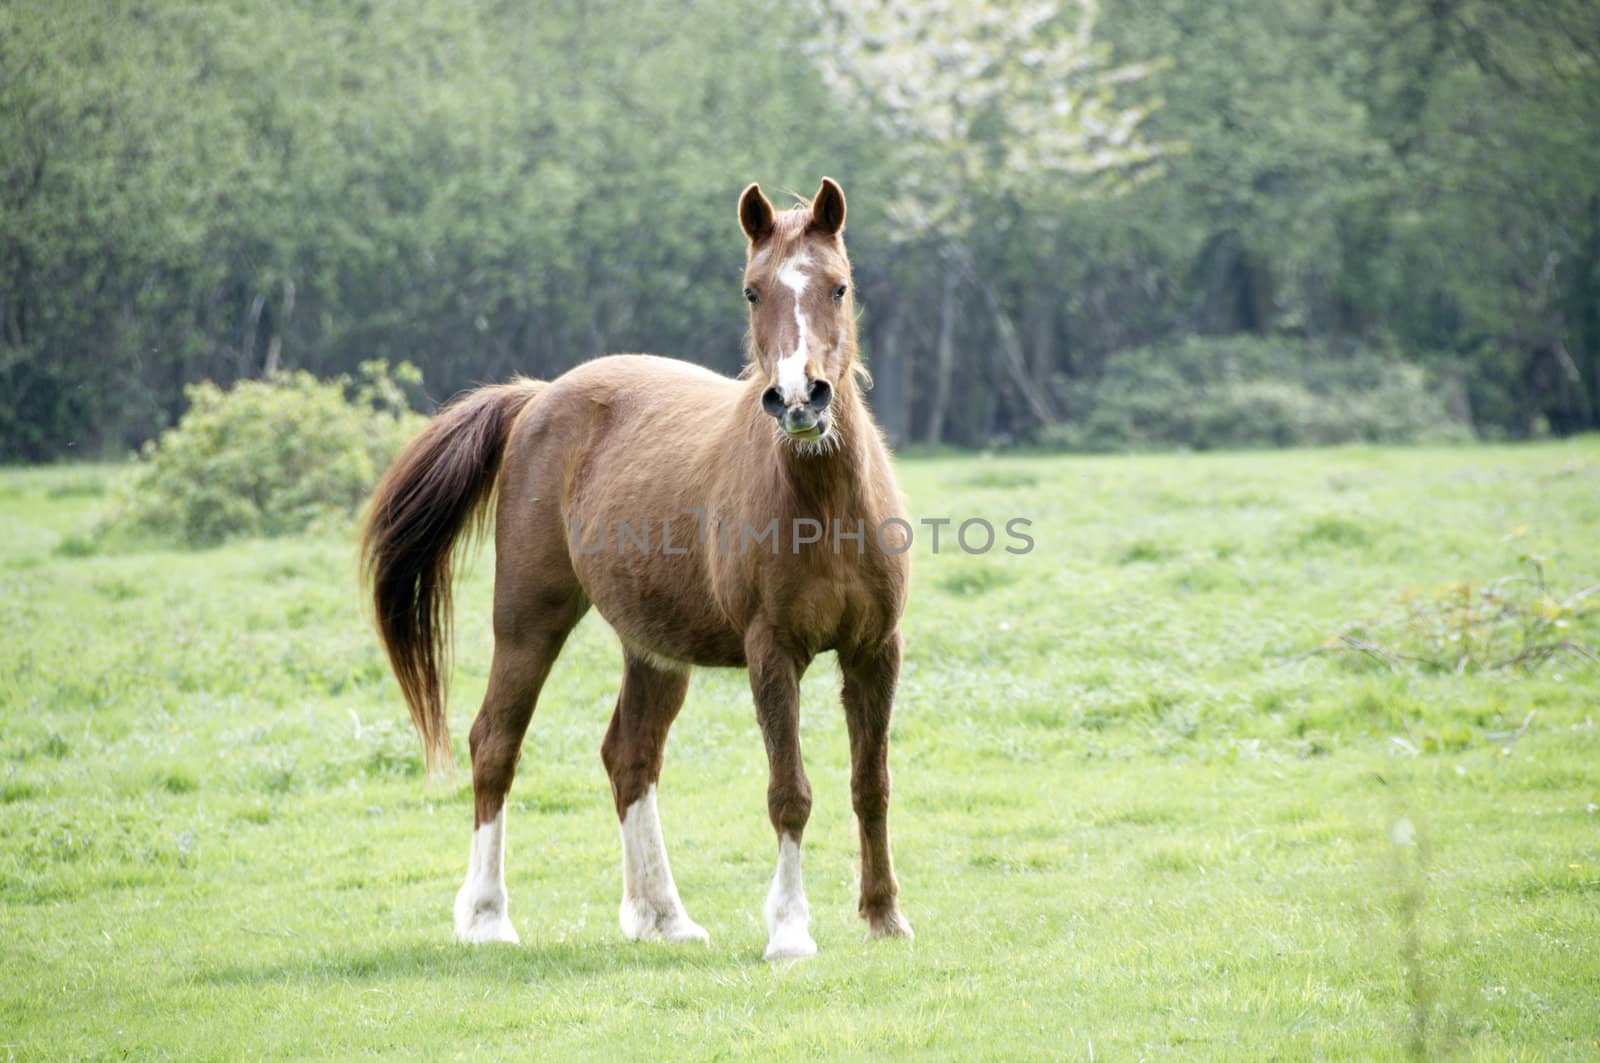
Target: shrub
(270, 457)
(1510, 622)
(1207, 394)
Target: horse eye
(751, 295)
(838, 294)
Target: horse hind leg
(634, 745)
(530, 629)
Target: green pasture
(1142, 807)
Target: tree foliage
(1007, 99)
(1241, 391)
(213, 192)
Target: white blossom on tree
(1003, 97)
(999, 99)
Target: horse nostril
(819, 395)
(772, 402)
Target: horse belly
(659, 612)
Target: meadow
(1145, 804)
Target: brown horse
(742, 482)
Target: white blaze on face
(651, 909)
(792, 367)
(787, 912)
(480, 909)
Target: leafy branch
(1516, 621)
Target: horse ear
(827, 209)
(755, 214)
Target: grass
(1136, 814)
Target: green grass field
(1137, 814)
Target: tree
(483, 187)
(991, 109)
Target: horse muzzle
(801, 420)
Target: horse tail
(438, 487)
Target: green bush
(270, 457)
(1210, 394)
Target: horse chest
(832, 600)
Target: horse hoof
(889, 924)
(487, 928)
(640, 922)
(794, 945)
(684, 929)
(689, 930)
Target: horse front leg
(775, 681)
(869, 685)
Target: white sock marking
(651, 909)
(792, 368)
(480, 909)
(787, 912)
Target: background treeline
(1385, 200)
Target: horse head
(802, 308)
